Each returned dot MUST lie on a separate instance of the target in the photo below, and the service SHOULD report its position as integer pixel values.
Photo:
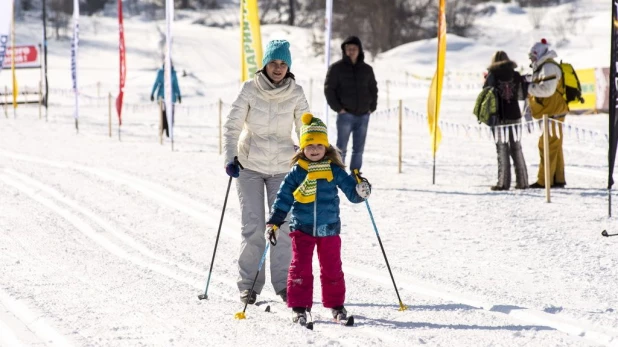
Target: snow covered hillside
(108, 243)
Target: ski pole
(604, 233)
(241, 315)
(360, 179)
(212, 262)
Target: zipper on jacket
(355, 85)
(315, 212)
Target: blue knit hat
(277, 49)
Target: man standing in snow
(352, 91)
(545, 96)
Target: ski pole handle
(238, 163)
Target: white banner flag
(74, 47)
(327, 35)
(6, 10)
(167, 83)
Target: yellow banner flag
(435, 90)
(15, 91)
(250, 39)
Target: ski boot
(245, 298)
(300, 316)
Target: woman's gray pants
(250, 187)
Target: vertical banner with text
(167, 73)
(328, 22)
(250, 39)
(123, 63)
(74, 49)
(435, 90)
(613, 125)
(15, 88)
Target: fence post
(109, 112)
(400, 132)
(220, 127)
(546, 155)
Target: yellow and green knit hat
(313, 131)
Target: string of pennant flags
(496, 133)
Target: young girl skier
(309, 191)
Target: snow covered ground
(108, 243)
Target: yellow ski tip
(240, 315)
(402, 307)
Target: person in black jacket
(352, 91)
(508, 84)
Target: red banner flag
(123, 64)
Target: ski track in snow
(192, 276)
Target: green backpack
(486, 106)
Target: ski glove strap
(363, 187)
(271, 234)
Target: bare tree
(292, 15)
(60, 10)
(535, 16)
(382, 25)
(460, 16)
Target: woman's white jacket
(259, 126)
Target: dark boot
(339, 313)
(504, 166)
(521, 172)
(300, 315)
(245, 298)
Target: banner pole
(40, 80)
(160, 121)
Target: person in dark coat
(508, 84)
(351, 90)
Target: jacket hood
(551, 54)
(354, 40)
(500, 65)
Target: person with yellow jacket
(545, 97)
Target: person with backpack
(507, 84)
(310, 192)
(546, 96)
